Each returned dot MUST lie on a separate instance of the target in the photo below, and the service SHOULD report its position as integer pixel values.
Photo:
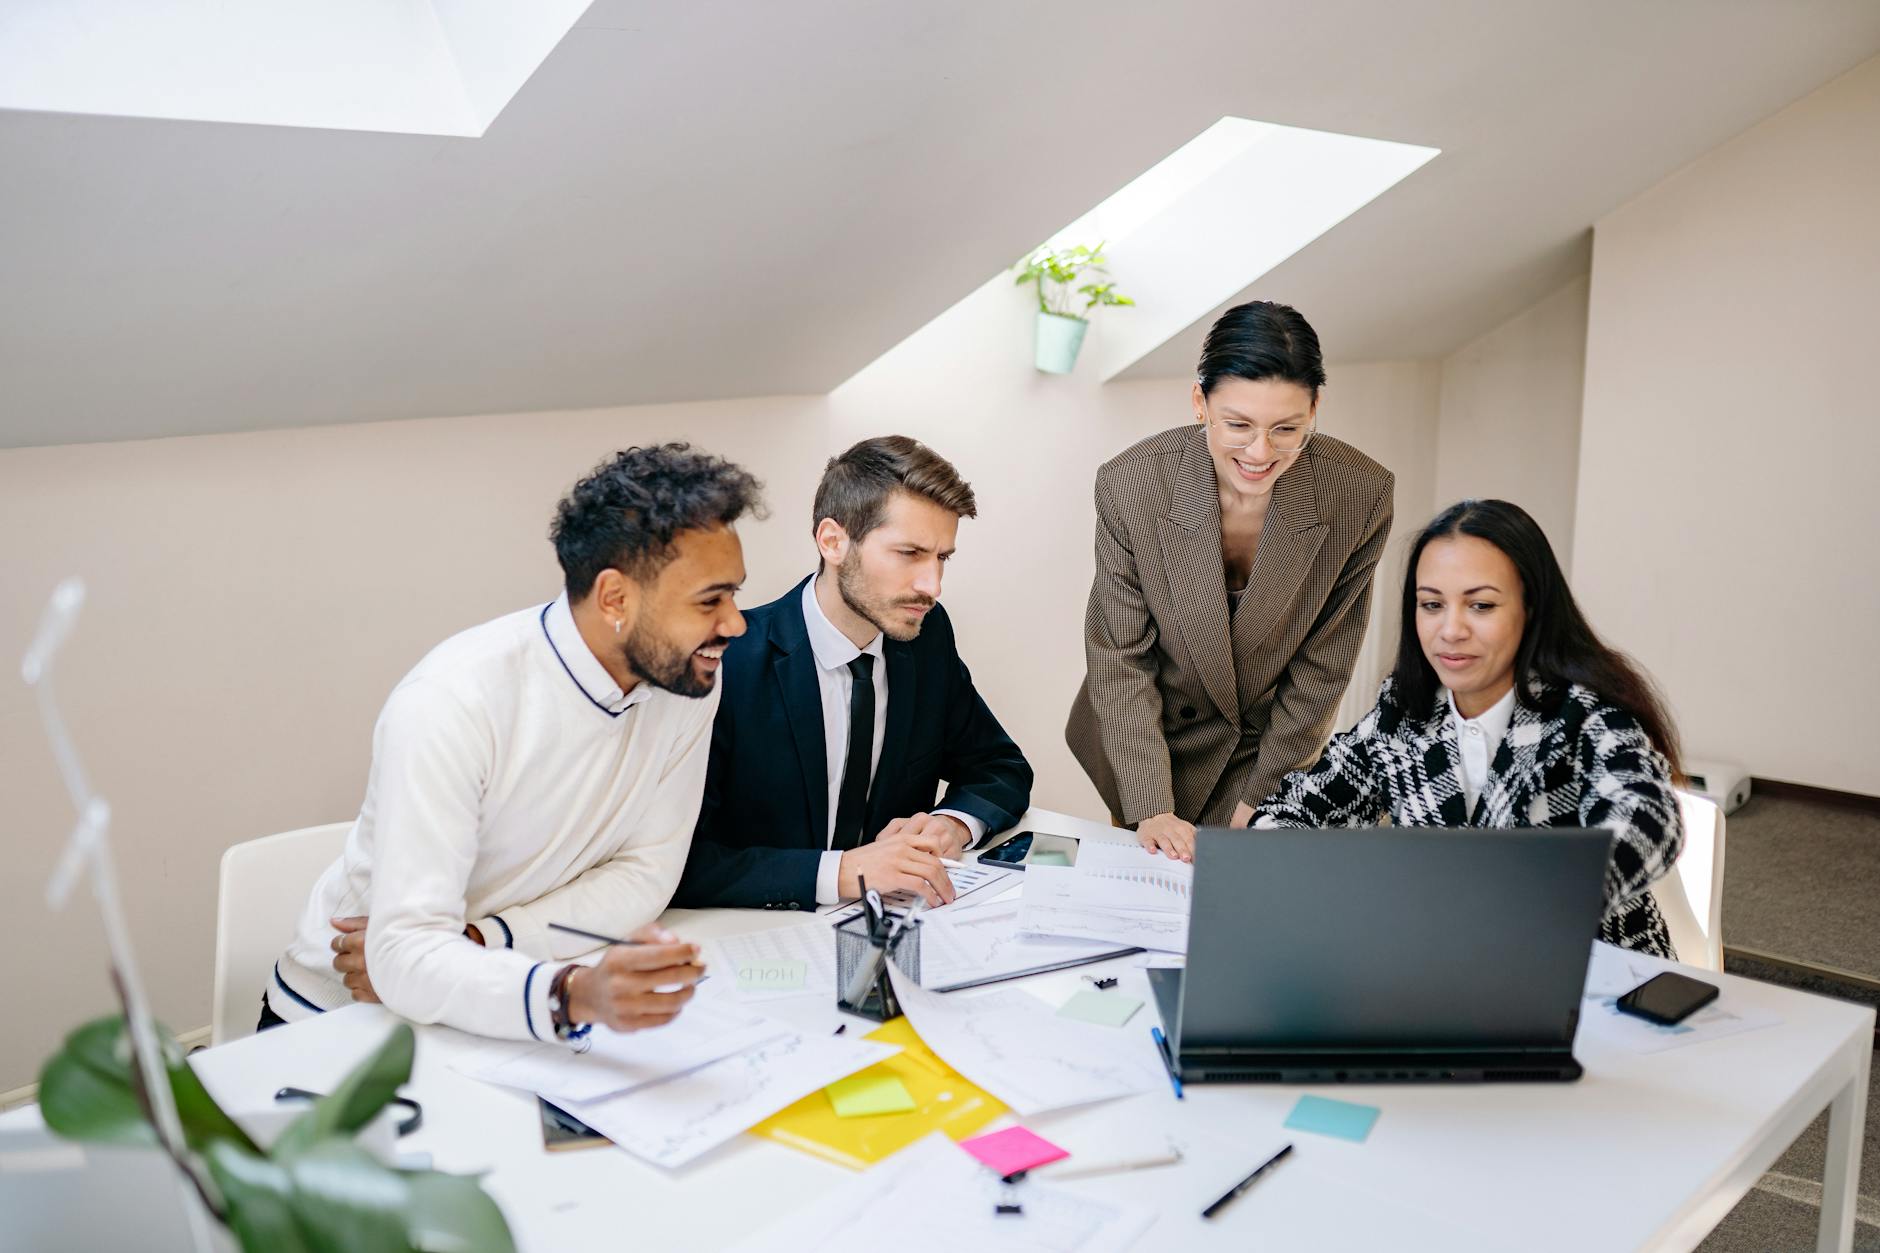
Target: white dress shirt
(834, 651)
(513, 785)
(1479, 739)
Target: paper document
(1016, 1047)
(1116, 893)
(969, 878)
(932, 1197)
(622, 1061)
(671, 1123)
(750, 957)
(973, 943)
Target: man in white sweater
(543, 768)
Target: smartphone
(562, 1130)
(1668, 998)
(1010, 854)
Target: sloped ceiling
(759, 197)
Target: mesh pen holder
(856, 949)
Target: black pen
(594, 935)
(610, 940)
(1244, 1184)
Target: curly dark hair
(624, 515)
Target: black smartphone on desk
(1667, 999)
(1010, 854)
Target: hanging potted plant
(1056, 271)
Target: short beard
(871, 608)
(656, 661)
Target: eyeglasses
(1235, 435)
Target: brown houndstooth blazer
(1184, 709)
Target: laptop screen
(1390, 938)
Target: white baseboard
(190, 1040)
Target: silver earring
(618, 624)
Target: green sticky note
(1048, 857)
(863, 1095)
(1106, 1009)
(1326, 1117)
(772, 976)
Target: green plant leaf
(357, 1099)
(453, 1212)
(86, 1091)
(260, 1198)
(332, 1198)
(348, 1201)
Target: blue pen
(1168, 1060)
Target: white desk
(1645, 1152)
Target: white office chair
(1691, 897)
(264, 888)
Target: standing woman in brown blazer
(1233, 587)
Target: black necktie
(852, 800)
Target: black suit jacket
(764, 823)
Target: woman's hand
(1168, 835)
(1243, 814)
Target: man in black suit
(845, 704)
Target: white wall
(1390, 410)
(1727, 512)
(1510, 425)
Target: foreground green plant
(314, 1191)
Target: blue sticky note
(1326, 1117)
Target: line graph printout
(676, 1122)
(955, 1199)
(976, 879)
(1119, 904)
(987, 941)
(1123, 876)
(1017, 1047)
(614, 1062)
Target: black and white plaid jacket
(1574, 761)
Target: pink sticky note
(1012, 1150)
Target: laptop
(1385, 955)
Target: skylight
(438, 67)
(1225, 208)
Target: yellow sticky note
(864, 1095)
(944, 1100)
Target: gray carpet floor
(1802, 882)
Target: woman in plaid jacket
(1455, 741)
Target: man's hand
(1243, 814)
(634, 987)
(905, 857)
(349, 949)
(1169, 835)
(943, 835)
